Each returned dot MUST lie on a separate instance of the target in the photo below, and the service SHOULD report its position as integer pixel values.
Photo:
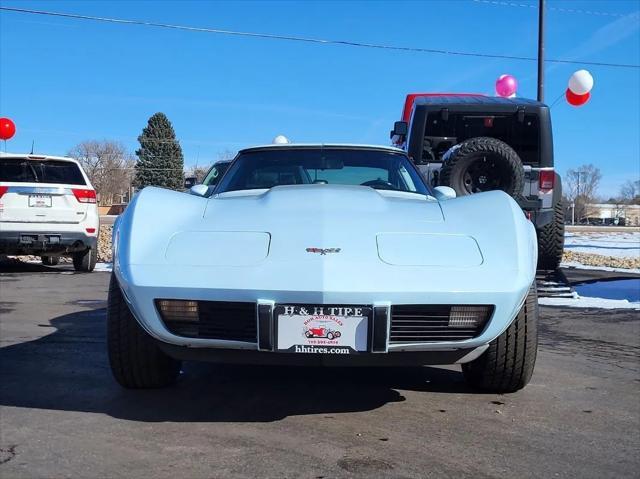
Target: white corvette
(323, 255)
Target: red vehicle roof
(411, 98)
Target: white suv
(48, 208)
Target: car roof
(311, 146)
(473, 100)
(35, 157)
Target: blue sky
(64, 81)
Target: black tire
(50, 260)
(508, 364)
(136, 360)
(85, 261)
(551, 240)
(483, 164)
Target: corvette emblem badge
(323, 251)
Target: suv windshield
(267, 168)
(19, 170)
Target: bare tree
(225, 155)
(582, 188)
(109, 167)
(630, 192)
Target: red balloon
(577, 100)
(7, 128)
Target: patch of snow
(586, 302)
(619, 245)
(104, 267)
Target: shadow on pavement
(12, 265)
(68, 370)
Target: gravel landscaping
(600, 260)
(104, 244)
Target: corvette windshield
(267, 168)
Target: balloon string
(557, 99)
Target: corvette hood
(328, 206)
(321, 226)
(323, 244)
(284, 222)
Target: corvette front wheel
(136, 360)
(508, 364)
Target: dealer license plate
(40, 201)
(321, 329)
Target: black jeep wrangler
(476, 143)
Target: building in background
(618, 214)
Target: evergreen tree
(160, 161)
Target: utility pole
(578, 195)
(541, 50)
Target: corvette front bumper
(391, 359)
(505, 292)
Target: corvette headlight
(178, 310)
(468, 316)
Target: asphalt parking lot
(62, 414)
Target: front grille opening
(233, 321)
(429, 323)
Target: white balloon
(581, 82)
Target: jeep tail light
(3, 190)
(84, 195)
(547, 180)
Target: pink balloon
(506, 85)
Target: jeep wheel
(85, 261)
(482, 164)
(508, 364)
(50, 260)
(551, 240)
(136, 360)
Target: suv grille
(427, 323)
(232, 321)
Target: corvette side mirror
(199, 190)
(443, 193)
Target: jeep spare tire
(482, 164)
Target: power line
(557, 9)
(305, 39)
